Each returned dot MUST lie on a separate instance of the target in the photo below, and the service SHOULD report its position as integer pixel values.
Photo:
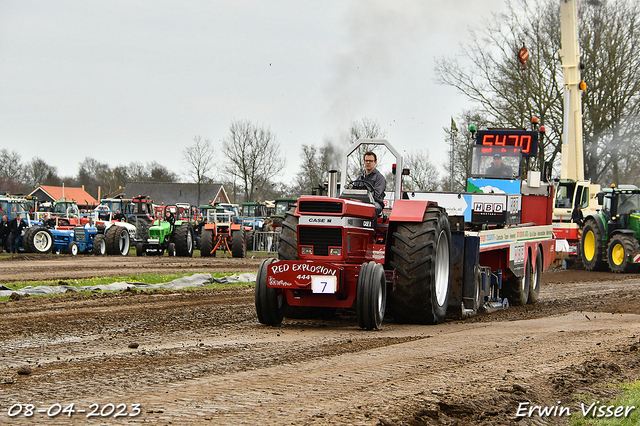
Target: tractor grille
(79, 234)
(320, 207)
(320, 238)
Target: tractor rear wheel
(270, 302)
(371, 296)
(99, 245)
(41, 240)
(238, 244)
(27, 239)
(117, 240)
(421, 254)
(288, 248)
(591, 247)
(619, 253)
(183, 239)
(206, 242)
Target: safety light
(583, 85)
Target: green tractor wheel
(619, 253)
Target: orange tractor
(219, 232)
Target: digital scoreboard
(525, 139)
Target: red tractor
(335, 253)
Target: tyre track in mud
(203, 358)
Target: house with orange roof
(49, 193)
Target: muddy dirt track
(201, 357)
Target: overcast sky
(124, 81)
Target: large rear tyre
(371, 296)
(591, 247)
(288, 248)
(238, 244)
(27, 239)
(41, 240)
(99, 245)
(117, 239)
(536, 278)
(206, 243)
(183, 240)
(270, 302)
(619, 253)
(421, 255)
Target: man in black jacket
(15, 227)
(4, 232)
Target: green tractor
(610, 236)
(283, 205)
(170, 232)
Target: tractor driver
(169, 217)
(498, 169)
(375, 178)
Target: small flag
(454, 127)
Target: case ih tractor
(219, 232)
(610, 236)
(170, 232)
(427, 254)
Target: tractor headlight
(306, 250)
(335, 251)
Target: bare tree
(508, 96)
(11, 169)
(200, 160)
(254, 157)
(423, 174)
(38, 172)
(316, 162)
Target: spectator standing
(268, 228)
(15, 228)
(4, 233)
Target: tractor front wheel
(619, 253)
(270, 302)
(591, 247)
(421, 255)
(371, 296)
(73, 248)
